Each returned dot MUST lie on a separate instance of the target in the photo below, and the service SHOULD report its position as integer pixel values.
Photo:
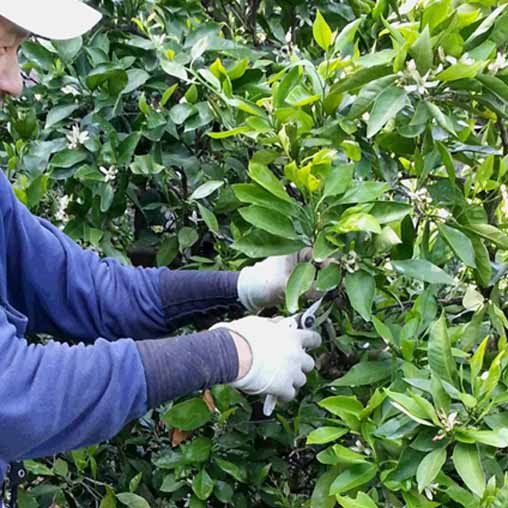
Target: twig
(504, 136)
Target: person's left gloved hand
(264, 284)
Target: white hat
(52, 19)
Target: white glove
(279, 360)
(264, 284)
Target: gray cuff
(181, 365)
(186, 294)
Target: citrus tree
(206, 135)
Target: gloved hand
(279, 360)
(264, 284)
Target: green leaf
(497, 438)
(322, 32)
(362, 501)
(299, 96)
(339, 180)
(187, 237)
(188, 415)
(195, 502)
(495, 85)
(338, 454)
(411, 407)
(300, 281)
(145, 165)
(442, 120)
(363, 192)
(430, 467)
(260, 244)
(390, 211)
(360, 78)
(482, 259)
(38, 54)
(115, 80)
(209, 218)
(386, 107)
(360, 221)
(37, 468)
(229, 133)
(365, 373)
(108, 501)
(491, 233)
(181, 112)
(422, 51)
(237, 472)
(439, 352)
(174, 69)
(196, 451)
(68, 158)
(460, 71)
(202, 485)
(347, 34)
(254, 194)
(340, 404)
(421, 269)
(264, 177)
(447, 161)
(136, 78)
(171, 484)
(471, 335)
(132, 500)
(168, 250)
(460, 244)
(223, 492)
(486, 24)
(206, 189)
(269, 220)
(59, 113)
(360, 289)
(466, 460)
(353, 477)
(325, 435)
(68, 49)
(328, 278)
(320, 497)
(127, 148)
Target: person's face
(11, 37)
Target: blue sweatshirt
(58, 397)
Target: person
(56, 397)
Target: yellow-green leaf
(322, 32)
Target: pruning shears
(301, 321)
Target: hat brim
(52, 19)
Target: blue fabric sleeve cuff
(181, 365)
(187, 293)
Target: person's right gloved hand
(279, 360)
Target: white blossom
(498, 64)
(61, 214)
(70, 90)
(194, 217)
(359, 447)
(76, 137)
(429, 491)
(109, 174)
(159, 39)
(421, 83)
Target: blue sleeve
(57, 397)
(69, 291)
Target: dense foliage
(204, 134)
